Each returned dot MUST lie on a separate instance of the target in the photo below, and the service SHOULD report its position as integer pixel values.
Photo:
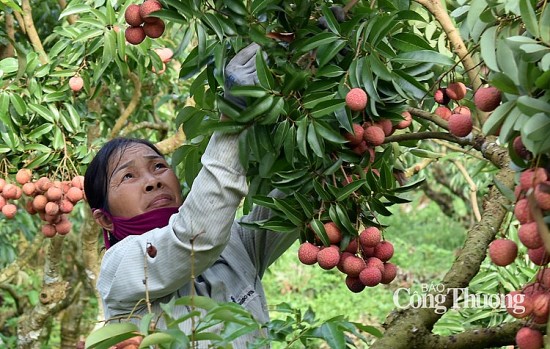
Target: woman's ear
(103, 220)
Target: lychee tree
(354, 101)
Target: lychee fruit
(503, 252)
(386, 125)
(23, 176)
(404, 123)
(361, 148)
(9, 210)
(461, 109)
(64, 226)
(39, 202)
(384, 251)
(460, 125)
(43, 184)
(374, 262)
(78, 181)
(356, 99)
(353, 265)
(517, 304)
(374, 135)
(541, 301)
(10, 191)
(154, 28)
(165, 54)
(328, 257)
(48, 230)
(538, 256)
(65, 206)
(356, 137)
(307, 253)
(522, 211)
(147, 8)
(29, 188)
(51, 208)
(443, 112)
(542, 196)
(529, 235)
(440, 96)
(134, 35)
(132, 16)
(456, 91)
(54, 193)
(543, 277)
(370, 276)
(521, 150)
(487, 98)
(3, 202)
(530, 178)
(343, 256)
(333, 232)
(370, 237)
(354, 284)
(76, 83)
(389, 273)
(352, 246)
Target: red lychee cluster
(532, 303)
(459, 118)
(52, 200)
(142, 23)
(364, 261)
(371, 134)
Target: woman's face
(140, 181)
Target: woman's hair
(96, 178)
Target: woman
(198, 246)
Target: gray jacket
(228, 259)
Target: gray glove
(241, 71)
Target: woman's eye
(160, 165)
(127, 176)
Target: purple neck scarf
(137, 225)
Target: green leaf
(529, 17)
(39, 131)
(316, 144)
(507, 192)
(327, 107)
(259, 107)
(76, 8)
(344, 220)
(249, 91)
(488, 48)
(317, 40)
(305, 203)
(265, 77)
(497, 117)
(201, 302)
(295, 216)
(43, 112)
(325, 54)
(530, 105)
(18, 104)
(8, 65)
(281, 225)
(350, 188)
(333, 335)
(544, 24)
(109, 331)
(236, 6)
(331, 21)
(156, 338)
(301, 136)
(504, 83)
(319, 229)
(506, 61)
(412, 58)
(329, 133)
(322, 192)
(408, 42)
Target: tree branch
(30, 253)
(429, 116)
(32, 33)
(171, 143)
(427, 135)
(131, 106)
(8, 50)
(489, 337)
(70, 19)
(473, 189)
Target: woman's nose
(154, 183)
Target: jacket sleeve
(264, 246)
(192, 241)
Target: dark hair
(96, 178)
